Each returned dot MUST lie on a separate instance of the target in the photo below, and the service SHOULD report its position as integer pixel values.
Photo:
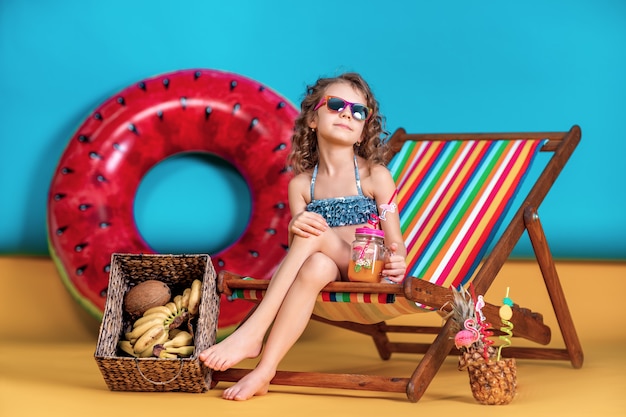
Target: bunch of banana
(156, 334)
(151, 329)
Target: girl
(337, 158)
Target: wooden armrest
(227, 281)
(526, 323)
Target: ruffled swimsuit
(343, 211)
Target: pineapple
(492, 382)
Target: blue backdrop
(446, 66)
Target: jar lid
(369, 232)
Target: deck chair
(454, 191)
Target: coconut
(145, 295)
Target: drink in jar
(365, 272)
(367, 255)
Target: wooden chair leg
(553, 285)
(430, 363)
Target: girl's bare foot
(256, 382)
(230, 352)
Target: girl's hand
(395, 265)
(306, 224)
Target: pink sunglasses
(337, 104)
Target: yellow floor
(47, 366)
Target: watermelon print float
(91, 197)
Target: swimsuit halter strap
(313, 181)
(356, 175)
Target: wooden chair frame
(527, 324)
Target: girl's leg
(291, 320)
(247, 340)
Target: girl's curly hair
(304, 153)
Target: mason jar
(367, 255)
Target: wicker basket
(123, 373)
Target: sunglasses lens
(359, 111)
(335, 104)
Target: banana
(149, 351)
(146, 353)
(186, 294)
(139, 331)
(182, 338)
(172, 307)
(126, 347)
(174, 332)
(141, 320)
(194, 297)
(164, 354)
(148, 338)
(156, 309)
(181, 350)
(178, 300)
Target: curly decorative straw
(505, 314)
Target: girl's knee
(318, 270)
(313, 243)
(328, 243)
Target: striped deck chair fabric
(452, 196)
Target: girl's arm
(303, 223)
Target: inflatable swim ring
(91, 197)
